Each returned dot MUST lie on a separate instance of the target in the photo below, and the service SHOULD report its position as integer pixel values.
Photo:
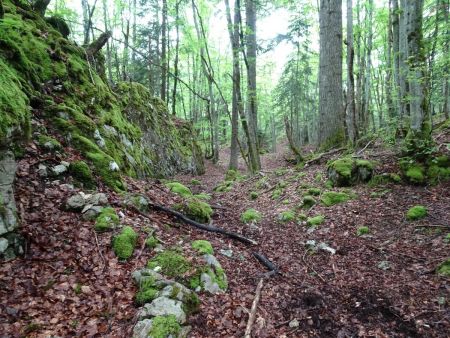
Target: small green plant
(318, 178)
(224, 186)
(232, 175)
(286, 216)
(314, 191)
(316, 220)
(179, 189)
(447, 238)
(106, 220)
(417, 212)
(172, 263)
(77, 289)
(254, 195)
(195, 182)
(203, 196)
(250, 216)
(124, 243)
(444, 268)
(364, 230)
(151, 242)
(203, 247)
(330, 198)
(147, 291)
(276, 194)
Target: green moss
(316, 220)
(250, 216)
(447, 238)
(232, 175)
(195, 182)
(364, 230)
(277, 193)
(224, 187)
(444, 268)
(438, 174)
(151, 242)
(82, 173)
(253, 195)
(308, 201)
(147, 291)
(343, 167)
(318, 177)
(314, 191)
(330, 198)
(329, 184)
(179, 189)
(124, 243)
(286, 216)
(416, 212)
(171, 262)
(364, 164)
(221, 279)
(191, 303)
(415, 173)
(203, 196)
(203, 247)
(106, 220)
(164, 326)
(49, 143)
(197, 210)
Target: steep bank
(55, 93)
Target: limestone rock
(83, 202)
(142, 328)
(163, 306)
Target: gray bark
(331, 109)
(351, 107)
(163, 51)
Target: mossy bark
(2, 11)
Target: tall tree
(351, 107)
(331, 109)
(164, 63)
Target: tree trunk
(40, 6)
(445, 92)
(163, 51)
(177, 47)
(250, 39)
(389, 65)
(368, 72)
(403, 52)
(331, 109)
(108, 47)
(351, 109)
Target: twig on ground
(252, 316)
(318, 158)
(99, 251)
(362, 150)
(311, 268)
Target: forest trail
(333, 282)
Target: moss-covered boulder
(106, 220)
(171, 263)
(348, 171)
(124, 243)
(416, 212)
(203, 247)
(330, 198)
(195, 209)
(179, 189)
(82, 173)
(125, 131)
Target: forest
(224, 168)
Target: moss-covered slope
(120, 131)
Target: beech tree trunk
(445, 92)
(163, 51)
(351, 107)
(331, 108)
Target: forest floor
(383, 284)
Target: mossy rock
(164, 327)
(49, 143)
(196, 209)
(308, 201)
(179, 189)
(203, 247)
(106, 220)
(172, 263)
(194, 181)
(348, 171)
(151, 242)
(124, 243)
(148, 291)
(330, 198)
(417, 212)
(250, 216)
(314, 191)
(81, 172)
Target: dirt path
(381, 284)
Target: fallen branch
(268, 264)
(433, 226)
(318, 158)
(362, 150)
(251, 318)
(204, 227)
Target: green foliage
(203, 247)
(364, 230)
(171, 262)
(49, 143)
(82, 173)
(224, 187)
(286, 216)
(151, 242)
(197, 210)
(330, 198)
(191, 303)
(314, 191)
(444, 268)
(318, 178)
(415, 174)
(277, 193)
(417, 212)
(195, 182)
(250, 216)
(179, 189)
(316, 220)
(253, 195)
(164, 326)
(106, 220)
(232, 175)
(148, 291)
(124, 243)
(308, 201)
(203, 196)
